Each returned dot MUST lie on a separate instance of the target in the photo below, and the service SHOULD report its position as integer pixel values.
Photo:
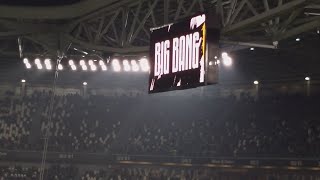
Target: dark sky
(37, 2)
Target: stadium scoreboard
(183, 54)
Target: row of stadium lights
(254, 82)
(92, 65)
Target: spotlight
(48, 66)
(255, 82)
(95, 60)
(307, 78)
(39, 66)
(93, 67)
(104, 67)
(90, 62)
(60, 67)
(28, 66)
(23, 81)
(85, 83)
(298, 39)
(318, 31)
(224, 55)
(25, 60)
(144, 64)
(227, 61)
(73, 67)
(101, 63)
(37, 61)
(210, 63)
(84, 68)
(71, 63)
(215, 57)
(126, 65)
(218, 61)
(47, 61)
(116, 65)
(134, 65)
(252, 49)
(82, 62)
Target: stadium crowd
(283, 125)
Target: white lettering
(182, 53)
(157, 55)
(175, 55)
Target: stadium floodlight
(39, 66)
(82, 62)
(25, 60)
(215, 57)
(116, 65)
(227, 61)
(255, 82)
(84, 67)
(71, 63)
(210, 63)
(37, 61)
(73, 67)
(298, 39)
(28, 65)
(307, 78)
(224, 55)
(47, 61)
(93, 67)
(104, 67)
(85, 83)
(252, 49)
(60, 67)
(101, 63)
(126, 65)
(144, 64)
(90, 62)
(48, 66)
(23, 80)
(134, 65)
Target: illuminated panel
(178, 55)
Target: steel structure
(122, 27)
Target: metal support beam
(264, 16)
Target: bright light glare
(25, 60)
(116, 65)
(256, 82)
(84, 68)
(298, 39)
(48, 66)
(126, 65)
(23, 81)
(37, 61)
(60, 67)
(104, 68)
(90, 62)
(39, 66)
(227, 61)
(101, 63)
(28, 66)
(252, 49)
(134, 65)
(47, 61)
(85, 83)
(210, 63)
(307, 78)
(93, 67)
(144, 64)
(224, 55)
(82, 62)
(218, 61)
(73, 67)
(71, 63)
